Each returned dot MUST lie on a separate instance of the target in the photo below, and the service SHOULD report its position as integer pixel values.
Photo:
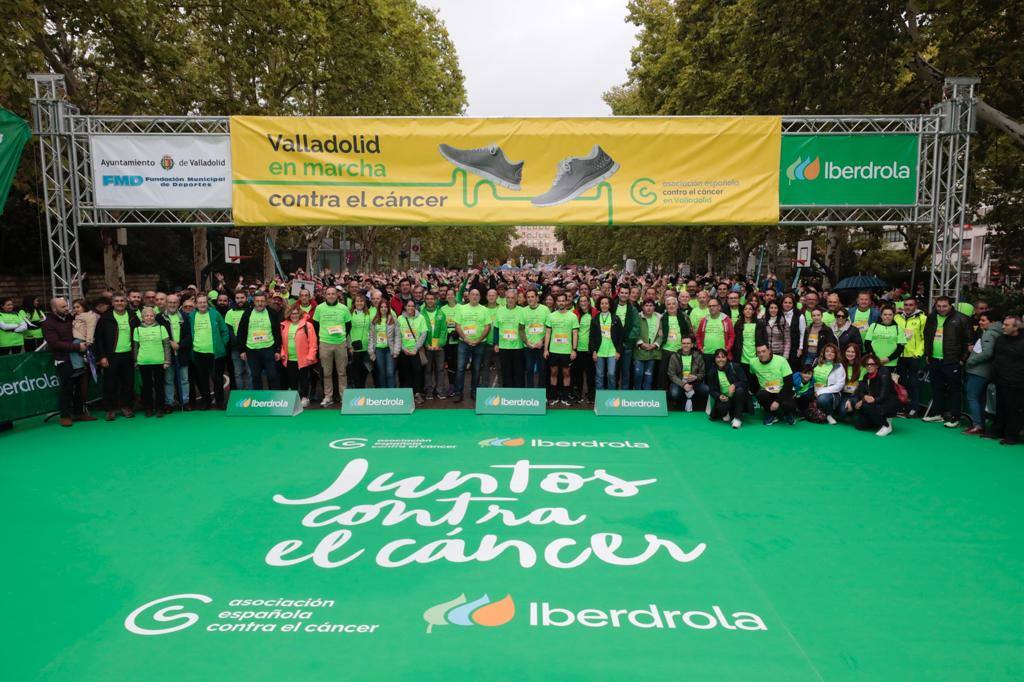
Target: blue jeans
(846, 404)
(699, 398)
(182, 388)
(384, 369)
(468, 353)
(975, 389)
(625, 369)
(643, 374)
(533, 359)
(240, 371)
(605, 373)
(828, 403)
(261, 361)
(909, 370)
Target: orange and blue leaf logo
(613, 402)
(480, 611)
(803, 169)
(358, 402)
(245, 402)
(495, 401)
(502, 442)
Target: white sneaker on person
(725, 418)
(689, 405)
(934, 418)
(326, 403)
(304, 402)
(885, 430)
(952, 424)
(830, 419)
(736, 423)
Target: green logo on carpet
(510, 401)
(631, 404)
(264, 404)
(378, 401)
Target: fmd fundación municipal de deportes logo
(480, 611)
(503, 442)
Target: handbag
(422, 353)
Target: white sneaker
(884, 431)
(736, 423)
(304, 402)
(934, 418)
(830, 419)
(952, 424)
(326, 403)
(689, 405)
(725, 418)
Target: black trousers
(357, 373)
(872, 416)
(298, 378)
(410, 372)
(72, 395)
(733, 407)
(11, 350)
(209, 369)
(512, 368)
(784, 398)
(451, 361)
(583, 371)
(152, 386)
(1009, 412)
(119, 381)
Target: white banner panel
(161, 171)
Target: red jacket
(727, 330)
(305, 343)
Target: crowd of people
(729, 347)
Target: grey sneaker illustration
(576, 175)
(489, 162)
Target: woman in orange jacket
(298, 351)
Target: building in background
(540, 237)
(979, 267)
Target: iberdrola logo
(803, 169)
(358, 402)
(502, 442)
(244, 402)
(477, 612)
(613, 402)
(495, 401)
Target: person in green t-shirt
(260, 332)
(885, 338)
(176, 379)
(582, 370)
(412, 330)
(333, 323)
(508, 322)
(113, 350)
(33, 311)
(13, 326)
(606, 344)
(359, 339)
(560, 342)
(209, 353)
(152, 348)
(240, 371)
(437, 339)
(774, 377)
(473, 324)
(451, 348)
(532, 320)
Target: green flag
(14, 133)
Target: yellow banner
(539, 171)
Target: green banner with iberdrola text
(14, 133)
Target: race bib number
(408, 336)
(850, 387)
(382, 337)
(860, 324)
(672, 336)
(535, 328)
(812, 340)
(336, 330)
(773, 385)
(909, 333)
(560, 339)
(938, 333)
(509, 334)
(606, 331)
(259, 338)
(435, 343)
(469, 330)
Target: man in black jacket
(947, 342)
(113, 350)
(1008, 372)
(259, 333)
(176, 376)
(60, 341)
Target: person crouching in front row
(686, 377)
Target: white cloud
(539, 57)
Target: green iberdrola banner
(14, 133)
(510, 401)
(264, 404)
(29, 386)
(848, 170)
(378, 401)
(631, 404)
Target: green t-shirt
(232, 317)
(583, 343)
(687, 362)
(202, 333)
(332, 320)
(260, 333)
(771, 374)
(507, 320)
(430, 320)
(821, 372)
(124, 333)
(884, 340)
(174, 322)
(749, 354)
(35, 317)
(361, 327)
(561, 324)
(723, 382)
(851, 382)
(534, 320)
(714, 334)
(451, 315)
(607, 347)
(410, 328)
(940, 323)
(12, 339)
(674, 340)
(474, 320)
(151, 344)
(380, 333)
(861, 319)
(697, 314)
(292, 355)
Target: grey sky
(538, 57)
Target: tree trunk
(199, 256)
(314, 242)
(113, 260)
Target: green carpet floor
(864, 558)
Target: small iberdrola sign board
(631, 404)
(377, 401)
(264, 404)
(510, 401)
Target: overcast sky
(539, 57)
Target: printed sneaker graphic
(502, 442)
(477, 612)
(803, 169)
(489, 162)
(577, 174)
